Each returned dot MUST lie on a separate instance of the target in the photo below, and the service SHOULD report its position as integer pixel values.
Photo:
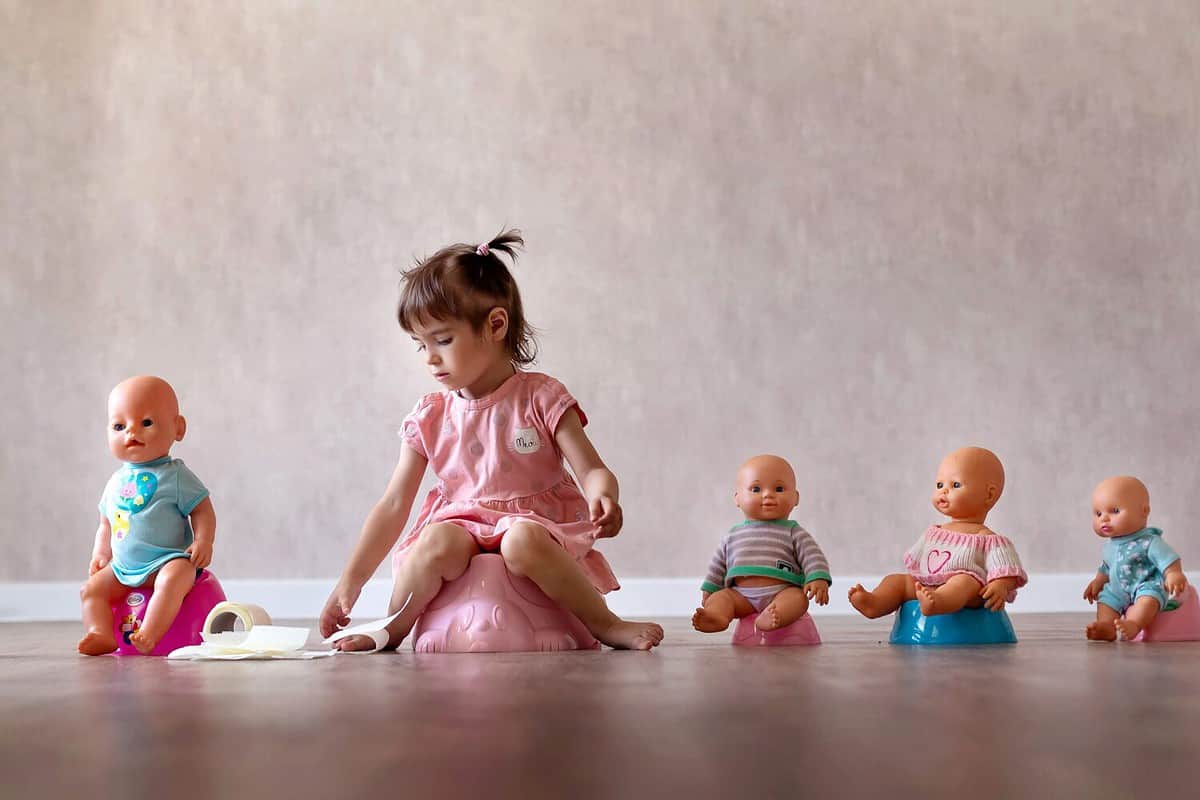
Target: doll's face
(1120, 506)
(766, 488)
(457, 355)
(143, 420)
(968, 483)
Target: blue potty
(969, 626)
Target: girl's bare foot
(865, 602)
(1102, 631)
(97, 643)
(624, 635)
(706, 621)
(1127, 628)
(358, 643)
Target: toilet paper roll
(226, 617)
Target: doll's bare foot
(865, 602)
(787, 607)
(769, 619)
(706, 621)
(143, 643)
(1127, 629)
(624, 635)
(1101, 631)
(97, 643)
(928, 599)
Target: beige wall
(857, 234)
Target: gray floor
(1053, 716)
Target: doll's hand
(99, 561)
(336, 613)
(1092, 592)
(606, 515)
(201, 553)
(1175, 583)
(817, 590)
(995, 594)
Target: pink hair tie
(483, 250)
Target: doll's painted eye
(957, 485)
(756, 489)
(1097, 513)
(147, 422)
(1114, 511)
(118, 426)
(941, 485)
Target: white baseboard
(638, 597)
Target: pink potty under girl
(184, 631)
(1181, 624)
(490, 610)
(802, 631)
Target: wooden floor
(1053, 716)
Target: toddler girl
(495, 436)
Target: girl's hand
(99, 561)
(336, 614)
(817, 590)
(606, 514)
(200, 553)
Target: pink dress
(497, 463)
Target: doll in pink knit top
(959, 564)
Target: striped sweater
(775, 548)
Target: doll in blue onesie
(156, 520)
(1140, 574)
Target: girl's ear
(497, 324)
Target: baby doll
(767, 564)
(960, 564)
(156, 521)
(1140, 572)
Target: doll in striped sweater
(768, 564)
(961, 563)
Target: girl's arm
(382, 528)
(599, 484)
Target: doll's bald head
(143, 419)
(766, 488)
(969, 482)
(1120, 506)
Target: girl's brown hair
(465, 282)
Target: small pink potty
(490, 610)
(184, 631)
(1181, 624)
(802, 631)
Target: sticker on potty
(135, 599)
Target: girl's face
(461, 358)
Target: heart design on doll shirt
(933, 555)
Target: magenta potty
(185, 630)
(801, 632)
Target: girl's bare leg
(442, 553)
(720, 609)
(889, 595)
(98, 595)
(171, 584)
(530, 551)
(1103, 629)
(785, 608)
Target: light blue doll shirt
(1137, 557)
(147, 505)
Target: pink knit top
(940, 553)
